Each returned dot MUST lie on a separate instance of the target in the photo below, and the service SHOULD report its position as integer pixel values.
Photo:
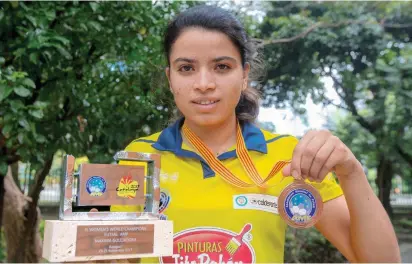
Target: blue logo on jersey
(241, 200)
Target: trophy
(87, 230)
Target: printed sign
(95, 240)
(212, 245)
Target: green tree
(81, 77)
(365, 49)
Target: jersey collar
(170, 139)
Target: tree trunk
(15, 173)
(14, 221)
(1, 199)
(32, 212)
(384, 182)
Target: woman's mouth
(205, 105)
(205, 102)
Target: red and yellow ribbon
(243, 156)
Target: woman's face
(206, 76)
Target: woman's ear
(167, 71)
(246, 71)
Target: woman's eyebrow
(224, 58)
(183, 59)
(218, 59)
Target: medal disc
(300, 205)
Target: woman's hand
(318, 153)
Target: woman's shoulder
(279, 146)
(273, 138)
(143, 144)
(165, 139)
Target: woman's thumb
(287, 170)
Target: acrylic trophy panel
(92, 224)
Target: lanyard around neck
(243, 156)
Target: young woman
(227, 218)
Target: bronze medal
(300, 205)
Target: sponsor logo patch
(127, 187)
(212, 245)
(262, 202)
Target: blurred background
(86, 78)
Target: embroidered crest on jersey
(164, 200)
(163, 203)
(212, 245)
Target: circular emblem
(300, 205)
(241, 200)
(163, 201)
(96, 186)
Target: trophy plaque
(88, 230)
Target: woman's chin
(207, 120)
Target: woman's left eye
(222, 67)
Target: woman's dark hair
(215, 18)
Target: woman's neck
(217, 138)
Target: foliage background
(86, 78)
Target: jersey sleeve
(329, 188)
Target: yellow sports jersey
(215, 222)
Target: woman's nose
(205, 81)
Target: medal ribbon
(243, 156)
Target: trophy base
(68, 241)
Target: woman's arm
(358, 226)
(355, 223)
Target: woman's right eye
(185, 68)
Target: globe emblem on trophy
(96, 186)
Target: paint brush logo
(235, 243)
